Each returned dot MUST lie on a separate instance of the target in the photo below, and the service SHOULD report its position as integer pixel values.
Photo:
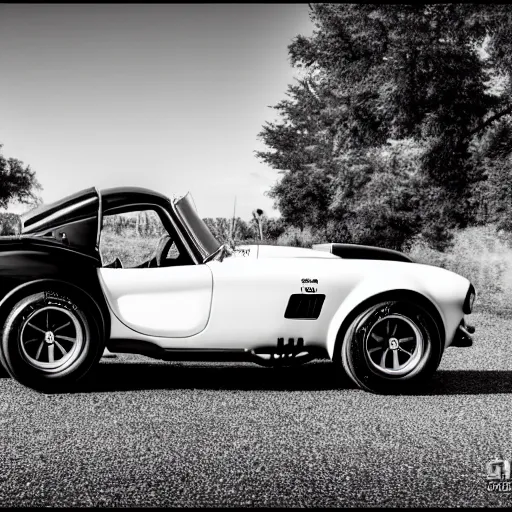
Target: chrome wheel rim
(51, 338)
(394, 345)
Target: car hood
(344, 251)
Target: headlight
(469, 300)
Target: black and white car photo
(384, 319)
(255, 255)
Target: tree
(10, 224)
(492, 197)
(273, 228)
(230, 231)
(17, 182)
(380, 79)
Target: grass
(131, 250)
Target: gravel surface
(149, 433)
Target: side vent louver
(303, 306)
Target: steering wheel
(162, 248)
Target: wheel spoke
(394, 330)
(405, 340)
(38, 353)
(47, 314)
(396, 363)
(51, 349)
(402, 350)
(372, 350)
(36, 328)
(30, 341)
(60, 347)
(387, 328)
(383, 358)
(61, 327)
(67, 338)
(378, 339)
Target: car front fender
(447, 303)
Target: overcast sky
(169, 97)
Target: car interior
(122, 247)
(160, 257)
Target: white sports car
(172, 291)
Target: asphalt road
(149, 433)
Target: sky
(169, 97)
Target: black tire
(32, 351)
(392, 347)
(3, 372)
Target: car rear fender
(10, 299)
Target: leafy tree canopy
(17, 182)
(381, 138)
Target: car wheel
(391, 347)
(50, 340)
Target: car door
(171, 300)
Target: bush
(296, 237)
(10, 224)
(483, 255)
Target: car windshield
(196, 227)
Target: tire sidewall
(356, 360)
(56, 379)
